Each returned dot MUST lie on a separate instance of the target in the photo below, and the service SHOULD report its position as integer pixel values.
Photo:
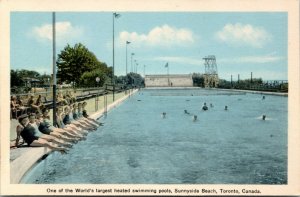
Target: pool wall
(32, 155)
(257, 92)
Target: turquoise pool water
(138, 145)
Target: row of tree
(77, 66)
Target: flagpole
(167, 65)
(168, 76)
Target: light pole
(97, 98)
(127, 43)
(48, 88)
(115, 15)
(132, 54)
(54, 68)
(134, 66)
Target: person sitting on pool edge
(68, 120)
(78, 118)
(33, 141)
(49, 125)
(46, 129)
(84, 113)
(70, 127)
(57, 139)
(89, 121)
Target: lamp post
(134, 66)
(127, 43)
(115, 15)
(54, 68)
(97, 98)
(48, 88)
(132, 54)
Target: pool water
(138, 145)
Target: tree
(198, 79)
(28, 73)
(88, 79)
(74, 61)
(135, 79)
(15, 79)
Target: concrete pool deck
(24, 158)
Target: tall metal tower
(211, 78)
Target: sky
(242, 42)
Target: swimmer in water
(164, 114)
(263, 98)
(211, 105)
(204, 107)
(226, 108)
(186, 112)
(195, 118)
(264, 117)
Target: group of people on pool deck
(72, 125)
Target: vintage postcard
(138, 97)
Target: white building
(169, 80)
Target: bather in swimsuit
(75, 116)
(28, 134)
(66, 119)
(44, 129)
(85, 114)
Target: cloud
(65, 31)
(160, 36)
(182, 60)
(270, 58)
(240, 35)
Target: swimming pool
(138, 145)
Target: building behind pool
(169, 80)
